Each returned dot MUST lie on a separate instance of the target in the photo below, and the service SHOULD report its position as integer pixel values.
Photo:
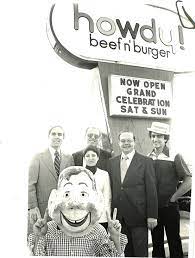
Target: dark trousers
(168, 219)
(137, 240)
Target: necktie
(124, 167)
(57, 162)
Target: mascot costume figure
(75, 207)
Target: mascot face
(75, 205)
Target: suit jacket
(43, 178)
(102, 162)
(135, 198)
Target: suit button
(122, 188)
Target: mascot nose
(75, 202)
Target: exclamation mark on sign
(181, 39)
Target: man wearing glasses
(169, 172)
(93, 137)
(43, 173)
(134, 194)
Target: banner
(131, 96)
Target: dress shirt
(129, 156)
(94, 243)
(52, 151)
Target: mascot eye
(66, 194)
(84, 194)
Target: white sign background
(155, 40)
(140, 97)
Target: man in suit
(133, 194)
(93, 137)
(43, 173)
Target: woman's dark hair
(91, 148)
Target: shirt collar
(129, 155)
(163, 155)
(52, 151)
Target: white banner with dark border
(139, 97)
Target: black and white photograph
(97, 131)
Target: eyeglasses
(126, 141)
(188, 18)
(58, 134)
(91, 135)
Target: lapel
(118, 169)
(62, 162)
(47, 159)
(79, 158)
(132, 166)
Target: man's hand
(34, 214)
(40, 226)
(152, 223)
(114, 226)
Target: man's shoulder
(183, 169)
(105, 153)
(41, 154)
(115, 158)
(78, 153)
(66, 155)
(142, 157)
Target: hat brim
(156, 131)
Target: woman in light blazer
(91, 157)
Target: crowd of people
(143, 188)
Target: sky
(38, 90)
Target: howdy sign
(130, 96)
(144, 35)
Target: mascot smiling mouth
(76, 223)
